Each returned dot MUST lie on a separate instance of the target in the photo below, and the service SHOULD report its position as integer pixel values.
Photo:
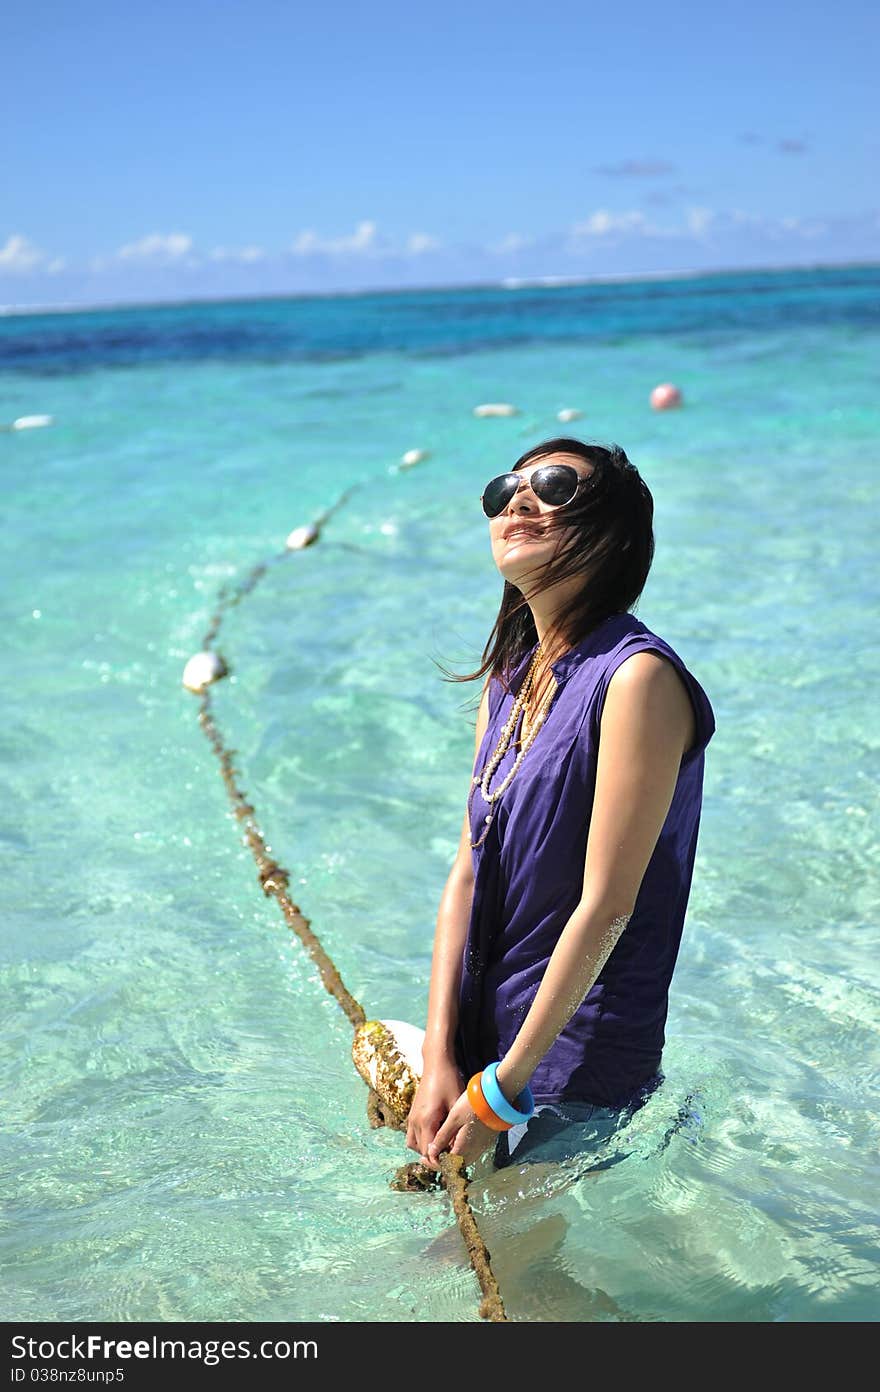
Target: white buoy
(301, 537)
(495, 408)
(409, 1040)
(30, 422)
(666, 397)
(568, 413)
(413, 456)
(388, 1056)
(203, 669)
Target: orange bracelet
(482, 1111)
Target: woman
(560, 922)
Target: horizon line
(541, 282)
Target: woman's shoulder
(649, 684)
(656, 655)
(631, 636)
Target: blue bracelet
(499, 1103)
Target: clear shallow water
(183, 1134)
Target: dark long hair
(611, 549)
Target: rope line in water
(274, 881)
(273, 877)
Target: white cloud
(780, 229)
(247, 255)
(158, 248)
(602, 223)
(699, 220)
(513, 242)
(366, 241)
(20, 255)
(420, 242)
(363, 238)
(363, 241)
(803, 228)
(695, 224)
(307, 243)
(744, 219)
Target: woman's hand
(440, 1086)
(462, 1133)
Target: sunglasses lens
(498, 493)
(556, 484)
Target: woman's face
(519, 537)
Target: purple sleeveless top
(529, 879)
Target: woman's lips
(521, 533)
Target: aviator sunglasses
(554, 484)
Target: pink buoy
(665, 397)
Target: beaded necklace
(484, 778)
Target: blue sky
(206, 149)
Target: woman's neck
(546, 609)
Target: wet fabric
(561, 1131)
(528, 879)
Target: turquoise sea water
(183, 1135)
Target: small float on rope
(30, 422)
(666, 397)
(496, 408)
(568, 413)
(202, 670)
(301, 537)
(388, 1056)
(413, 457)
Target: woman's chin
(521, 575)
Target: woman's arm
(647, 725)
(441, 1081)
